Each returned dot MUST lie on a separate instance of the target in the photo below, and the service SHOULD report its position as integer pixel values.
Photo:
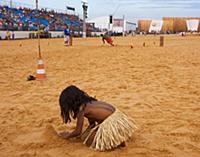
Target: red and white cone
(41, 74)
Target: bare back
(98, 111)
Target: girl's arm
(87, 130)
(79, 126)
(91, 123)
(90, 126)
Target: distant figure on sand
(108, 127)
(106, 37)
(67, 34)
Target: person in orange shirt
(106, 37)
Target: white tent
(119, 25)
(100, 22)
(192, 25)
(156, 26)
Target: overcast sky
(132, 9)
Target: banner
(192, 25)
(70, 8)
(118, 23)
(156, 26)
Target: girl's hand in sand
(64, 135)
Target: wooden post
(161, 41)
(71, 40)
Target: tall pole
(85, 6)
(110, 25)
(10, 3)
(37, 6)
(84, 26)
(124, 25)
(37, 13)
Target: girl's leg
(90, 139)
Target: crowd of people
(26, 19)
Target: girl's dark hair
(71, 98)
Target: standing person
(8, 35)
(67, 35)
(13, 35)
(106, 37)
(108, 127)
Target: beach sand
(157, 86)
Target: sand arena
(158, 87)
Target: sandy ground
(158, 87)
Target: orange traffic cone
(40, 70)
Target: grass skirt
(114, 130)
